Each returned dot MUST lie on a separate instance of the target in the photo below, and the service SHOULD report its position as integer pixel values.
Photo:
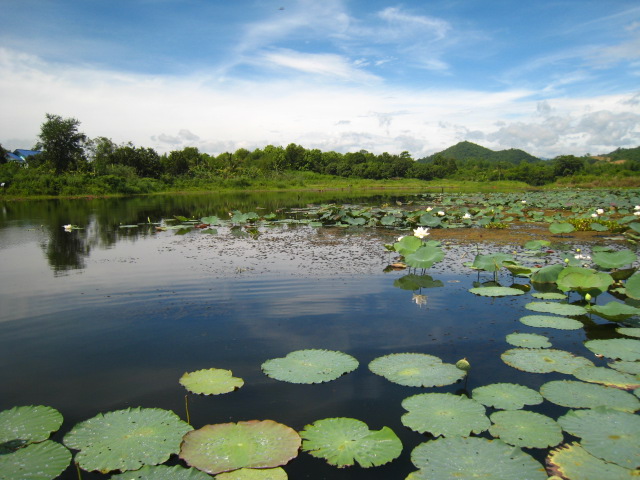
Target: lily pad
(616, 348)
(415, 282)
(525, 429)
(537, 360)
(557, 228)
(632, 287)
(310, 366)
(530, 340)
(629, 332)
(556, 308)
(126, 439)
(162, 472)
(211, 381)
(608, 434)
(506, 396)
(344, 441)
(424, 257)
(574, 462)
(491, 262)
(416, 370)
(548, 274)
(615, 311)
(610, 260)
(254, 474)
(551, 321)
(626, 367)
(444, 414)
(608, 377)
(471, 458)
(574, 394)
(496, 291)
(229, 446)
(37, 461)
(549, 295)
(584, 280)
(29, 424)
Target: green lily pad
(37, 461)
(551, 321)
(525, 429)
(344, 441)
(557, 228)
(491, 262)
(472, 458)
(211, 381)
(549, 295)
(415, 282)
(616, 348)
(495, 291)
(629, 332)
(548, 274)
(424, 257)
(310, 366)
(506, 396)
(608, 377)
(162, 472)
(626, 367)
(574, 394)
(126, 439)
(611, 435)
(574, 462)
(615, 311)
(537, 360)
(211, 220)
(530, 340)
(29, 424)
(444, 414)
(536, 244)
(229, 446)
(254, 474)
(407, 245)
(584, 280)
(556, 308)
(611, 260)
(416, 370)
(632, 286)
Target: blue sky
(549, 76)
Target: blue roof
(26, 153)
(13, 157)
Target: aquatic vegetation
(537, 360)
(528, 340)
(616, 348)
(525, 429)
(496, 291)
(163, 472)
(574, 394)
(416, 370)
(573, 461)
(310, 366)
(211, 381)
(551, 321)
(506, 396)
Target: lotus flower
(67, 228)
(421, 232)
(419, 299)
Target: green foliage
(61, 142)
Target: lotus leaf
(254, 474)
(574, 394)
(610, 260)
(518, 270)
(495, 291)
(616, 348)
(416, 370)
(584, 280)
(491, 262)
(530, 340)
(472, 458)
(344, 441)
(424, 257)
(525, 429)
(407, 244)
(126, 439)
(557, 228)
(615, 311)
(608, 434)
(229, 446)
(211, 381)
(549, 321)
(415, 282)
(537, 360)
(629, 332)
(506, 396)
(211, 220)
(37, 461)
(632, 286)
(556, 308)
(626, 367)
(28, 424)
(548, 274)
(444, 414)
(162, 472)
(549, 295)
(574, 462)
(536, 244)
(607, 376)
(310, 366)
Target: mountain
(471, 151)
(620, 155)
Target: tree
(3, 154)
(61, 142)
(567, 165)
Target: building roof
(12, 157)
(26, 153)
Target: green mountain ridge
(471, 151)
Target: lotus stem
(78, 470)
(186, 406)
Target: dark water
(106, 318)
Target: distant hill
(471, 151)
(620, 155)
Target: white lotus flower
(429, 209)
(466, 215)
(600, 211)
(67, 228)
(419, 299)
(523, 202)
(637, 213)
(594, 215)
(441, 213)
(421, 232)
(400, 237)
(637, 207)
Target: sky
(551, 77)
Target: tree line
(68, 151)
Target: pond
(110, 315)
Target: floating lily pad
(407, 245)
(254, 474)
(310, 366)
(229, 446)
(496, 291)
(556, 308)
(344, 441)
(616, 348)
(574, 462)
(611, 260)
(491, 262)
(126, 439)
(548, 274)
(615, 311)
(525, 429)
(632, 286)
(506, 396)
(626, 367)
(551, 321)
(535, 360)
(162, 472)
(211, 381)
(472, 458)
(416, 370)
(629, 332)
(530, 340)
(424, 257)
(37, 461)
(557, 228)
(608, 377)
(549, 295)
(609, 434)
(574, 394)
(584, 280)
(28, 424)
(444, 414)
